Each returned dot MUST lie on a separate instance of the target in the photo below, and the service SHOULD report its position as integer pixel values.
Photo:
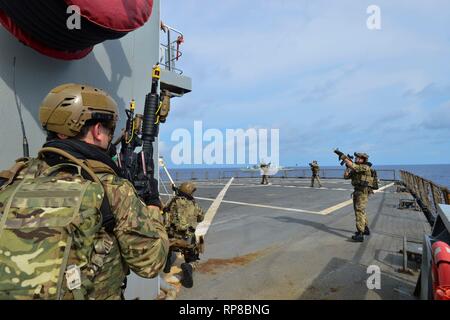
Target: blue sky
(315, 71)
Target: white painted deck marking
(254, 185)
(348, 202)
(202, 227)
(385, 187)
(322, 212)
(336, 207)
(269, 207)
(253, 205)
(298, 187)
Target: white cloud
(438, 119)
(313, 69)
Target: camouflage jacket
(138, 242)
(315, 169)
(360, 175)
(183, 216)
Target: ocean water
(438, 173)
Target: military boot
(366, 231)
(168, 266)
(358, 237)
(187, 280)
(169, 262)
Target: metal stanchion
(405, 258)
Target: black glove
(151, 198)
(112, 151)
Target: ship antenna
(26, 152)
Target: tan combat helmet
(67, 107)
(188, 188)
(362, 155)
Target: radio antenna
(26, 152)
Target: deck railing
(186, 174)
(171, 48)
(427, 194)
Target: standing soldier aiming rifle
(182, 217)
(315, 173)
(360, 174)
(71, 211)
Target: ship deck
(289, 241)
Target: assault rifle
(340, 154)
(141, 131)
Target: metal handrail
(427, 193)
(383, 174)
(169, 62)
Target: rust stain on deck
(211, 265)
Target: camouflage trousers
(186, 244)
(360, 199)
(314, 178)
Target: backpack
(181, 215)
(374, 184)
(48, 229)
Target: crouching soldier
(182, 216)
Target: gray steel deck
(261, 245)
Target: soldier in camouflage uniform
(315, 173)
(361, 177)
(182, 217)
(71, 227)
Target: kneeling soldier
(182, 217)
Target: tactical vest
(362, 180)
(50, 219)
(315, 169)
(181, 216)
